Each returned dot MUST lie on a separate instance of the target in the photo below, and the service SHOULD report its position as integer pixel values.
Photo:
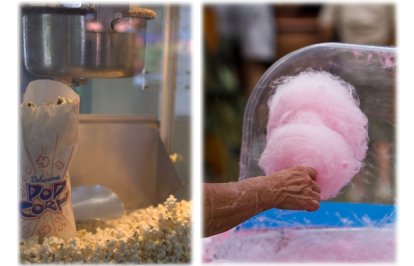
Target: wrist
(258, 186)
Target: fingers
(315, 187)
(297, 189)
(314, 195)
(312, 172)
(313, 205)
(302, 204)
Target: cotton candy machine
(123, 62)
(358, 225)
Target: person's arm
(228, 204)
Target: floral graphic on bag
(59, 165)
(44, 229)
(26, 230)
(60, 223)
(42, 161)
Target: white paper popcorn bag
(49, 118)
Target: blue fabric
(330, 214)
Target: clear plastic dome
(370, 69)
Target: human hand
(292, 189)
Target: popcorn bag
(49, 121)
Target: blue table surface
(330, 214)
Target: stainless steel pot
(58, 44)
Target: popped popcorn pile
(152, 235)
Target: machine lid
(57, 9)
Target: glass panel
(138, 95)
(181, 124)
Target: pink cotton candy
(312, 146)
(329, 98)
(314, 120)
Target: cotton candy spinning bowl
(337, 232)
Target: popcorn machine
(130, 67)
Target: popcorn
(152, 235)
